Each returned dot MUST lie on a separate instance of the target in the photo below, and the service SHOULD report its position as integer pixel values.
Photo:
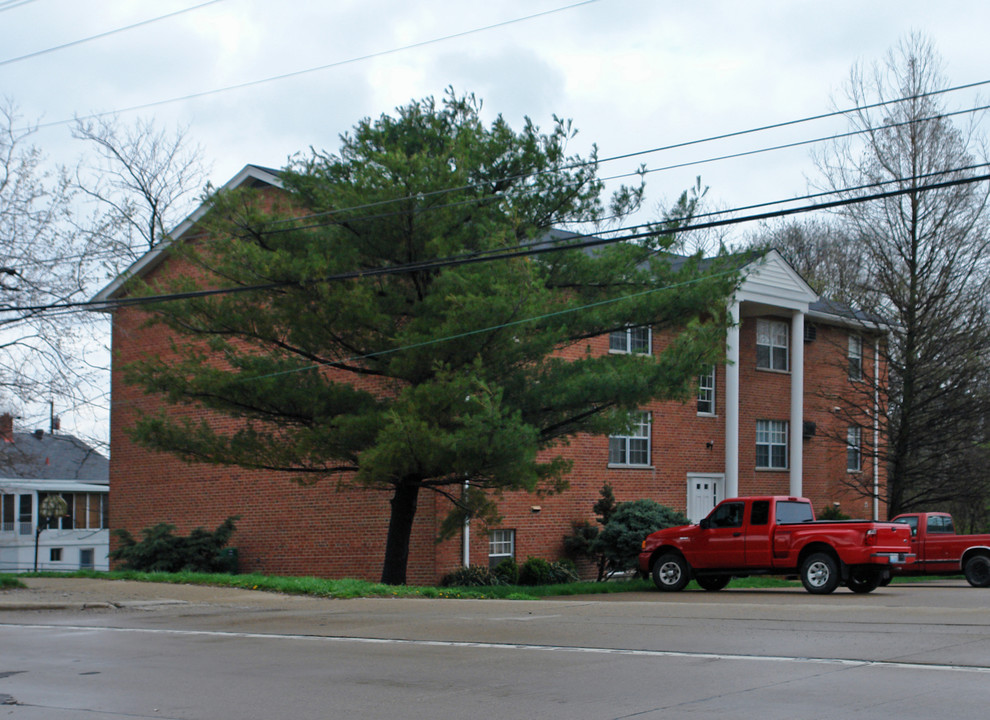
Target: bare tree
(41, 265)
(926, 254)
(142, 181)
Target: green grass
(318, 587)
(10, 582)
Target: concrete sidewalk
(87, 593)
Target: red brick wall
(326, 530)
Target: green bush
(162, 551)
(622, 537)
(507, 572)
(471, 576)
(537, 571)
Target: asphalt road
(118, 651)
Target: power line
(576, 242)
(339, 63)
(103, 34)
(644, 171)
(11, 4)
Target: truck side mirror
(705, 523)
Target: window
(55, 555)
(87, 511)
(501, 545)
(772, 344)
(633, 340)
(771, 444)
(760, 513)
(632, 449)
(940, 524)
(728, 515)
(86, 558)
(855, 357)
(793, 512)
(912, 522)
(854, 449)
(7, 502)
(26, 514)
(706, 391)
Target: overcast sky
(631, 74)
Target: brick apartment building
(778, 418)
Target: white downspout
(466, 535)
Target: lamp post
(51, 507)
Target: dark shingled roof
(41, 456)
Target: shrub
(471, 576)
(507, 572)
(832, 512)
(622, 537)
(162, 551)
(582, 543)
(537, 571)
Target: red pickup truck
(775, 535)
(939, 551)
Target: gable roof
(768, 278)
(40, 456)
(249, 176)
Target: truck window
(728, 515)
(793, 512)
(940, 524)
(912, 522)
(760, 514)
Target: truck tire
(977, 571)
(713, 583)
(671, 572)
(864, 580)
(820, 574)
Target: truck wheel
(670, 572)
(713, 583)
(864, 581)
(977, 571)
(820, 574)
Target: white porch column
(797, 404)
(732, 405)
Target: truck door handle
(736, 534)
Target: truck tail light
(871, 536)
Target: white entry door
(705, 491)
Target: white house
(34, 466)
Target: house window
(854, 436)
(88, 511)
(632, 340)
(501, 546)
(771, 444)
(7, 509)
(26, 515)
(772, 344)
(55, 555)
(706, 391)
(86, 556)
(855, 357)
(634, 448)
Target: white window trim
(855, 354)
(642, 430)
(706, 389)
(627, 348)
(854, 448)
(498, 540)
(779, 428)
(769, 325)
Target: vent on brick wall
(810, 333)
(809, 429)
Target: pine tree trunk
(400, 531)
